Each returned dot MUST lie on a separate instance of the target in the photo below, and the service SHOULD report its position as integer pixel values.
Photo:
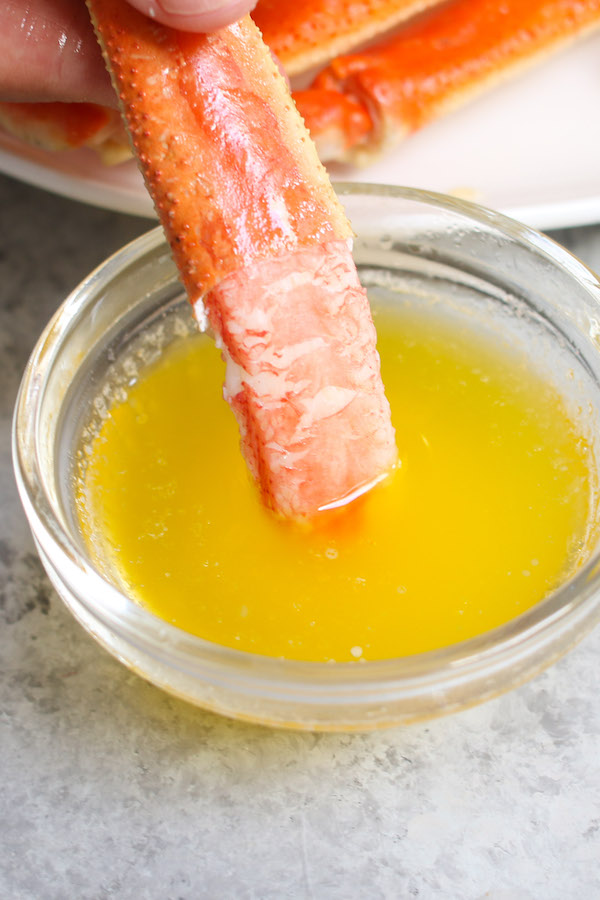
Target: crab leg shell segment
(263, 247)
(67, 126)
(433, 65)
(307, 33)
(225, 156)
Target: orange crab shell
(433, 65)
(67, 126)
(307, 33)
(218, 119)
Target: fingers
(48, 51)
(194, 15)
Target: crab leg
(263, 248)
(362, 103)
(307, 33)
(64, 126)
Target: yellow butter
(485, 515)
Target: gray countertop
(112, 788)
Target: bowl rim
(576, 600)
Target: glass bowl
(409, 243)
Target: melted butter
(483, 518)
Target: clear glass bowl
(409, 243)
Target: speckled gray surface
(113, 789)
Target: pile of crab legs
(422, 59)
(261, 242)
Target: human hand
(48, 50)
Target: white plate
(529, 148)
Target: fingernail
(191, 7)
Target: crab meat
(303, 377)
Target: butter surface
(485, 515)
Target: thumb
(194, 15)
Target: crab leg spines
(213, 113)
(436, 64)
